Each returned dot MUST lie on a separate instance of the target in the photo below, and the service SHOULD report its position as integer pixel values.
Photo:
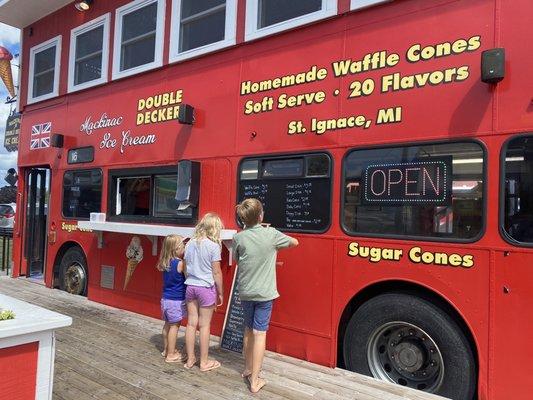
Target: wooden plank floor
(109, 353)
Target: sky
(9, 38)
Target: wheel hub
(403, 353)
(74, 278)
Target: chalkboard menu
(300, 204)
(233, 330)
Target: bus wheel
(73, 272)
(409, 341)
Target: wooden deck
(109, 353)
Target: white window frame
(159, 36)
(54, 42)
(230, 34)
(329, 8)
(104, 21)
(359, 4)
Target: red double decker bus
(391, 138)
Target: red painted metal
(307, 316)
(19, 364)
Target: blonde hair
(249, 211)
(172, 248)
(209, 227)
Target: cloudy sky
(9, 38)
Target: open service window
(82, 193)
(150, 195)
(430, 191)
(518, 191)
(265, 17)
(295, 190)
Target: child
(173, 296)
(255, 249)
(204, 287)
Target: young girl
(204, 287)
(173, 297)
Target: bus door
(514, 274)
(37, 185)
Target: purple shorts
(206, 296)
(173, 311)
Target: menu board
(301, 204)
(233, 329)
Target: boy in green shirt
(255, 249)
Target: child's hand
(220, 300)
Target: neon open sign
(419, 181)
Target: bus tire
(73, 272)
(407, 340)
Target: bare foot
(209, 365)
(257, 385)
(190, 363)
(175, 357)
(246, 373)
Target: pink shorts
(206, 296)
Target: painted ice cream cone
(5, 70)
(132, 264)
(134, 254)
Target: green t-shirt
(255, 250)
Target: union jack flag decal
(40, 136)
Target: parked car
(7, 215)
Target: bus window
(295, 191)
(147, 195)
(82, 193)
(429, 191)
(518, 190)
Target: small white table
(152, 232)
(32, 324)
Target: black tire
(410, 341)
(73, 272)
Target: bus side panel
(465, 289)
(515, 111)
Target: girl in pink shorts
(204, 287)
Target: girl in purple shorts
(204, 287)
(173, 307)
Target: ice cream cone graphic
(5, 70)
(134, 254)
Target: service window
(82, 193)
(295, 191)
(265, 17)
(89, 52)
(138, 45)
(430, 191)
(518, 190)
(202, 26)
(147, 195)
(43, 77)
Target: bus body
(370, 135)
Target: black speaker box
(493, 65)
(57, 140)
(186, 114)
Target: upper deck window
(89, 52)
(357, 4)
(138, 45)
(430, 191)
(518, 190)
(265, 17)
(43, 79)
(201, 26)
